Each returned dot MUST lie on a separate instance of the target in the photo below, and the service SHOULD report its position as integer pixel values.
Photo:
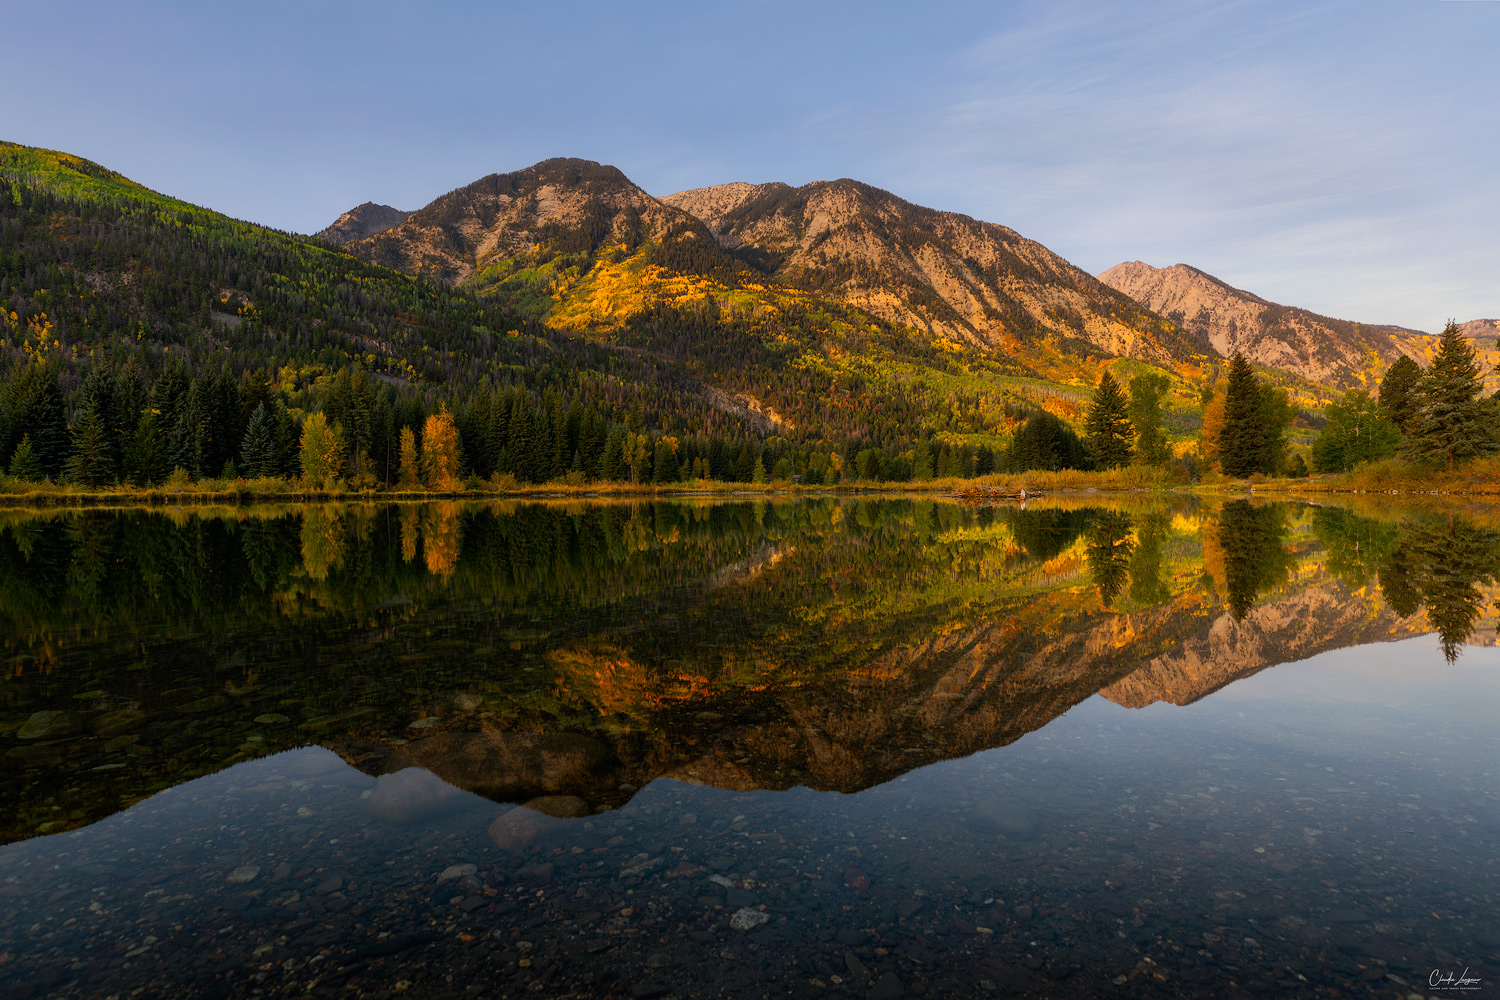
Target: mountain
(361, 221)
(1480, 328)
(967, 280)
(561, 205)
(1224, 319)
(954, 278)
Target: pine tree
(91, 464)
(24, 464)
(1243, 446)
(1109, 430)
(1457, 424)
(1401, 394)
(258, 452)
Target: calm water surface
(849, 748)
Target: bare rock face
(566, 204)
(1225, 320)
(949, 274)
(363, 220)
(1476, 328)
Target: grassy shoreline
(1479, 479)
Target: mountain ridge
(1227, 319)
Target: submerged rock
(747, 919)
(519, 828)
(49, 723)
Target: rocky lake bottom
(1326, 828)
(860, 748)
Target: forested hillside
(143, 335)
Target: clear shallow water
(986, 815)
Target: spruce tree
(1401, 394)
(37, 411)
(258, 450)
(24, 464)
(664, 464)
(91, 464)
(1457, 424)
(1109, 430)
(1243, 442)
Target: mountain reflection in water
(571, 655)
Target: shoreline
(958, 490)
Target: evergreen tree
(664, 467)
(91, 464)
(1401, 394)
(24, 464)
(1457, 424)
(612, 462)
(36, 411)
(258, 453)
(1109, 430)
(1146, 395)
(921, 461)
(1244, 446)
(184, 436)
(145, 457)
(1044, 442)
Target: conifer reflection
(1436, 562)
(1255, 560)
(1109, 549)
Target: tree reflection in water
(1255, 558)
(1436, 562)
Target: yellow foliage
(440, 451)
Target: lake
(867, 747)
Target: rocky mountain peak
(361, 221)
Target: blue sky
(1342, 156)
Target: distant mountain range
(829, 312)
(1227, 319)
(976, 286)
